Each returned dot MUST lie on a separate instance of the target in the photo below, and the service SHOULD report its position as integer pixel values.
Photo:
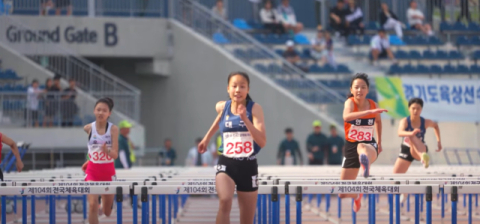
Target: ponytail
(249, 98)
(349, 95)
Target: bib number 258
(239, 148)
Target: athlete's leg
(107, 203)
(225, 189)
(367, 155)
(349, 174)
(401, 166)
(417, 147)
(92, 208)
(247, 201)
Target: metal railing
(211, 26)
(51, 109)
(124, 8)
(88, 76)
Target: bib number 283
(237, 144)
(361, 133)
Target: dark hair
(57, 77)
(34, 81)
(415, 100)
(288, 130)
(333, 127)
(361, 76)
(46, 81)
(167, 139)
(107, 101)
(244, 76)
(71, 80)
(381, 31)
(340, 1)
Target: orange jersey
(360, 129)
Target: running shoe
(425, 160)
(365, 165)
(357, 203)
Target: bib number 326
(361, 133)
(238, 144)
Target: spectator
(354, 18)
(316, 144)
(288, 18)
(380, 47)
(167, 154)
(415, 19)
(52, 105)
(288, 149)
(33, 96)
(270, 19)
(69, 107)
(464, 11)
(337, 18)
(123, 161)
(195, 158)
(61, 4)
(335, 146)
(219, 10)
(45, 6)
(329, 47)
(319, 46)
(388, 20)
(291, 55)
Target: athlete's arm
(214, 128)
(401, 129)
(114, 150)
(257, 129)
(123, 159)
(87, 128)
(378, 129)
(349, 115)
(8, 141)
(432, 124)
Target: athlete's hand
(202, 146)
(104, 148)
(379, 148)
(242, 112)
(415, 132)
(84, 166)
(439, 145)
(378, 111)
(19, 165)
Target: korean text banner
(444, 99)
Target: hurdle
(163, 193)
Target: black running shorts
(351, 158)
(405, 153)
(243, 171)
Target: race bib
(361, 133)
(237, 144)
(406, 142)
(98, 156)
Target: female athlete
(361, 116)
(102, 151)
(412, 129)
(240, 121)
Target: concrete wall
(86, 36)
(61, 137)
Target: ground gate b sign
(86, 36)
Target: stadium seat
(422, 69)
(395, 69)
(444, 26)
(401, 54)
(8, 88)
(462, 40)
(456, 55)
(255, 54)
(433, 40)
(306, 53)
(316, 69)
(475, 69)
(301, 39)
(427, 54)
(408, 69)
(255, 25)
(77, 121)
(458, 26)
(473, 26)
(279, 52)
(219, 38)
(11, 75)
(328, 68)
(239, 53)
(353, 40)
(414, 55)
(449, 69)
(395, 40)
(475, 40)
(365, 40)
(261, 68)
(463, 69)
(341, 68)
(372, 25)
(442, 55)
(241, 24)
(436, 69)
(476, 55)
(274, 68)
